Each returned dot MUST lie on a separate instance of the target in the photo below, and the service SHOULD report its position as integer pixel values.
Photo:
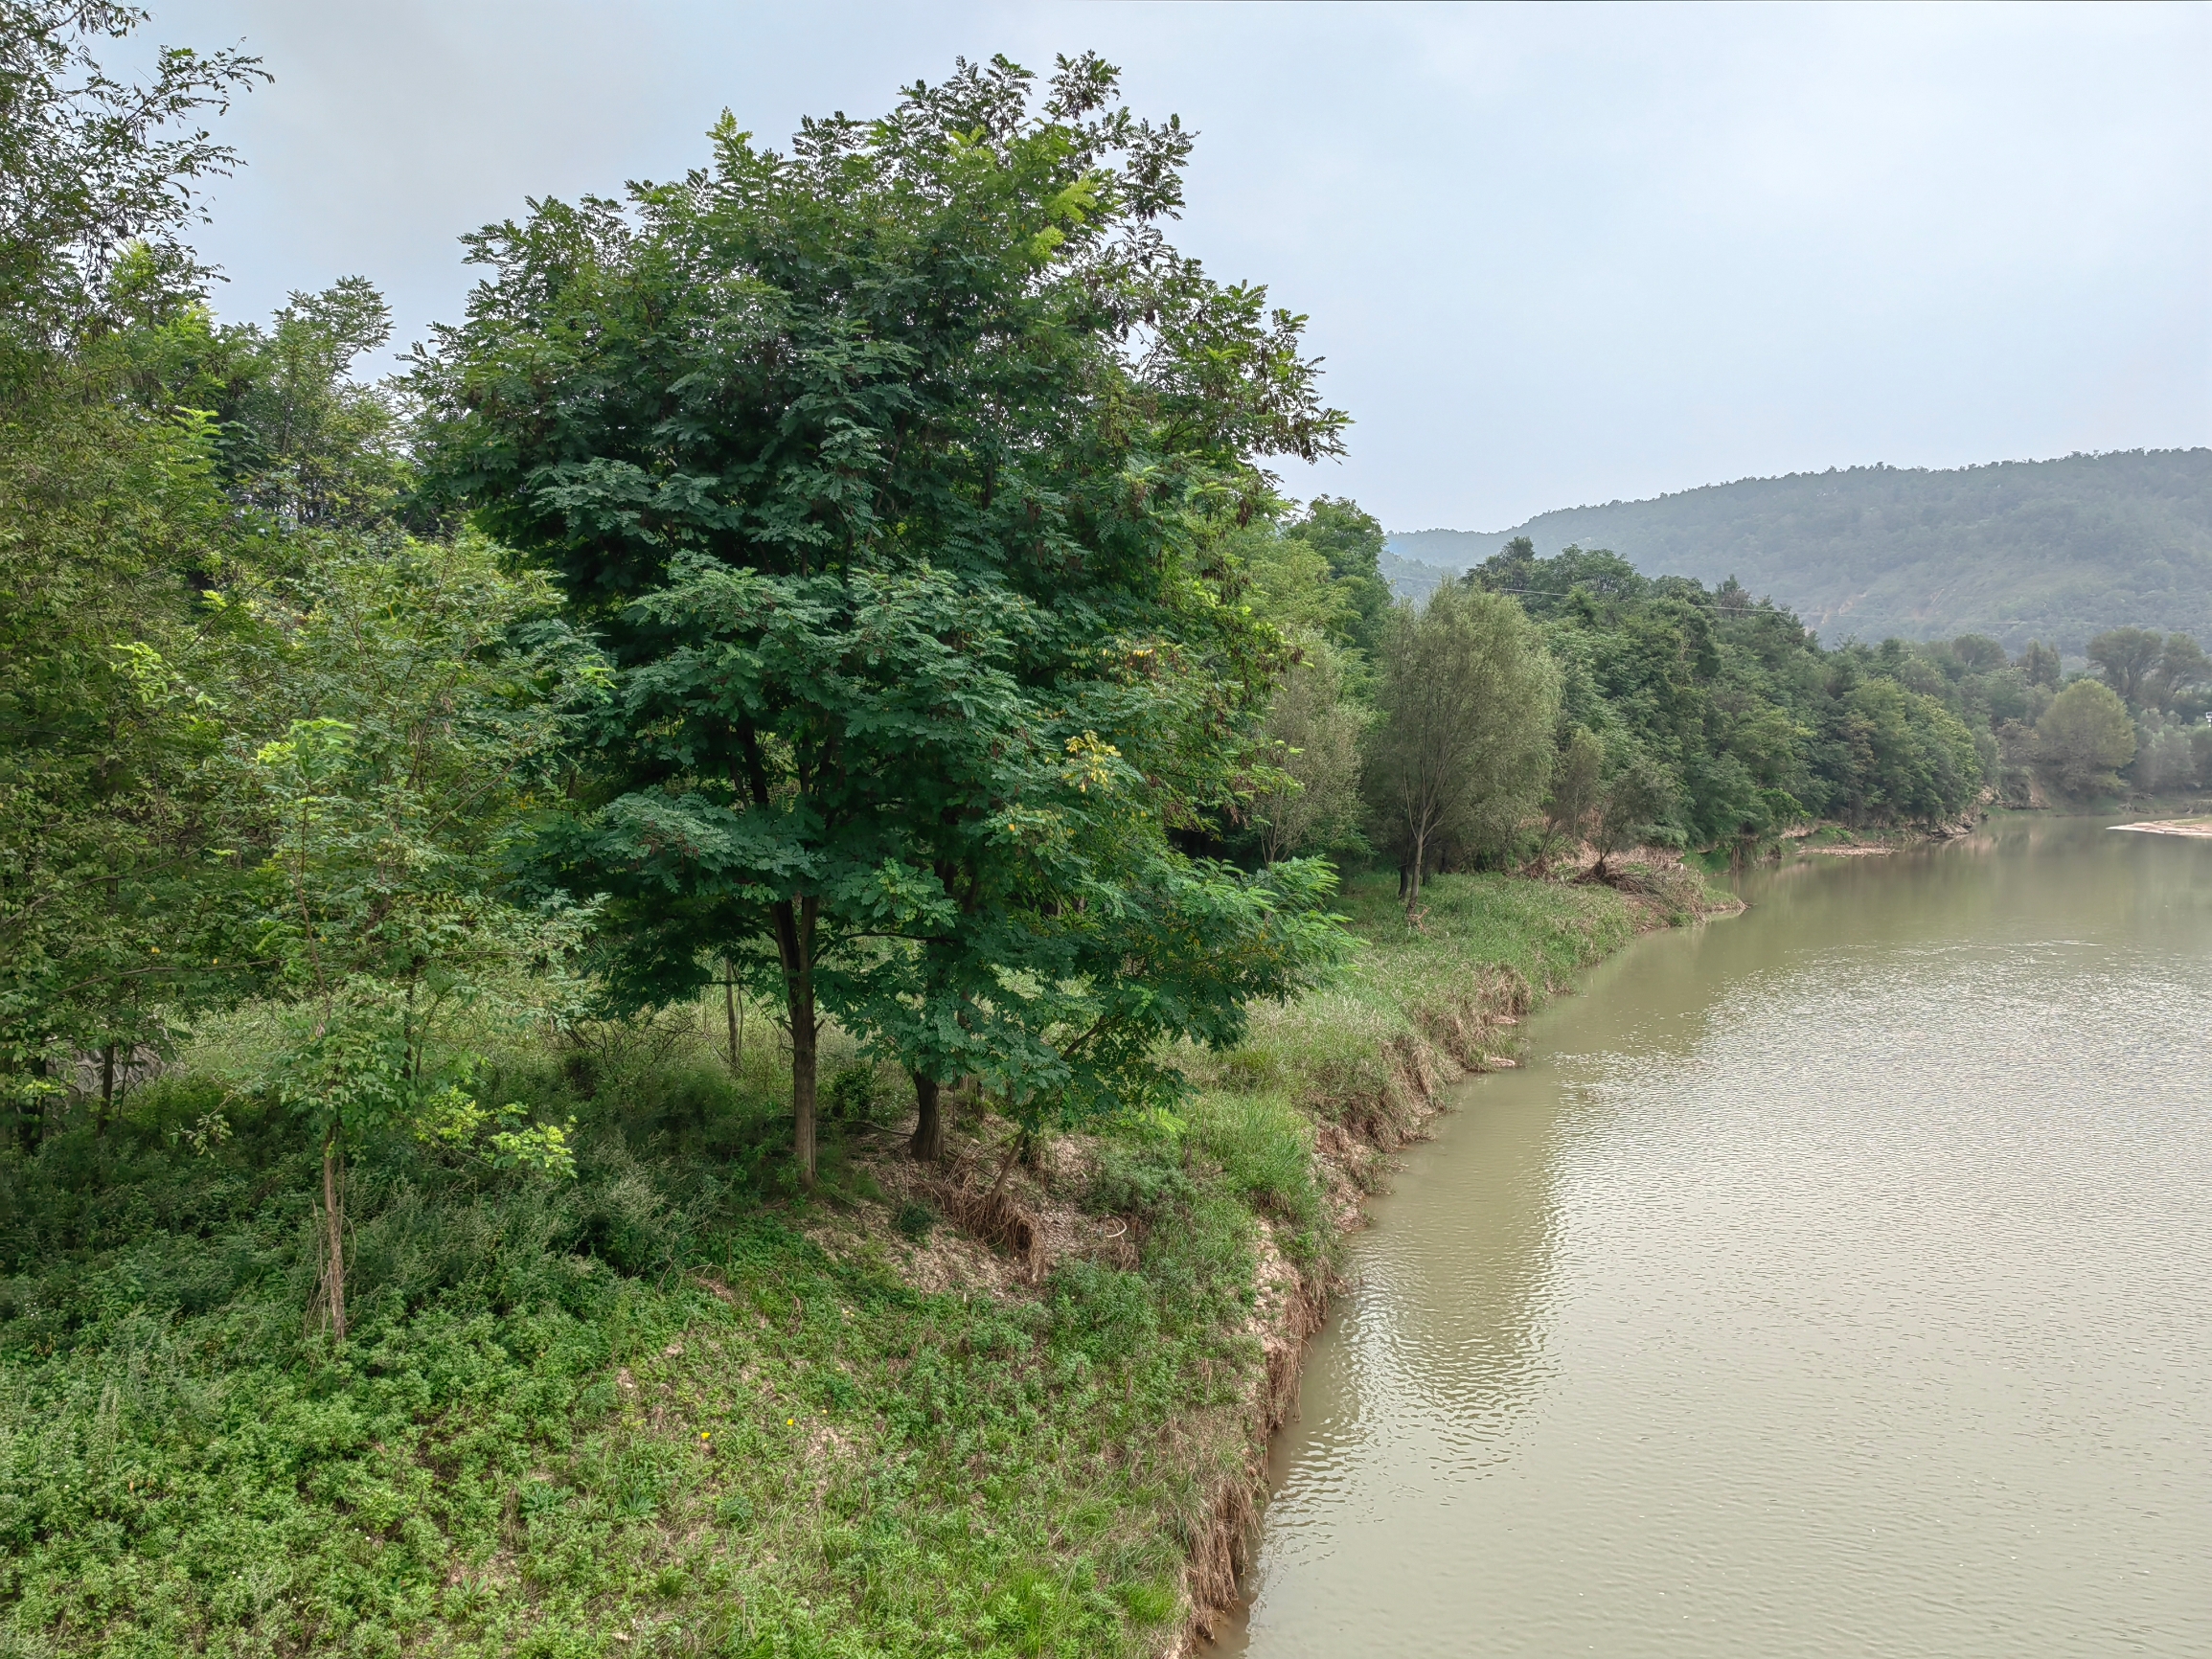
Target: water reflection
(1465, 1349)
(1835, 1282)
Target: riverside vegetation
(714, 975)
(668, 1403)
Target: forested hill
(2018, 550)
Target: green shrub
(1144, 1181)
(1100, 1312)
(851, 1095)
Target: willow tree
(1462, 750)
(888, 469)
(2085, 738)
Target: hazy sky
(1553, 255)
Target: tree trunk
(106, 1090)
(803, 1080)
(730, 1013)
(334, 1238)
(794, 944)
(1420, 866)
(29, 1120)
(928, 1142)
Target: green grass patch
(565, 1416)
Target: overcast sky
(1553, 255)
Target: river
(1836, 1279)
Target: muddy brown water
(1836, 1280)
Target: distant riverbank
(2196, 827)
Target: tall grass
(1421, 997)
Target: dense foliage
(1690, 717)
(1750, 725)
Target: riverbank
(1367, 1066)
(2201, 828)
(1833, 840)
(667, 1408)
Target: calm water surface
(1838, 1280)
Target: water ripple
(1840, 1281)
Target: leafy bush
(852, 1095)
(1145, 1182)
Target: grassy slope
(651, 1412)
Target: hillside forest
(820, 641)
(2056, 551)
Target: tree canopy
(1463, 749)
(891, 472)
(1745, 723)
(2087, 738)
(98, 169)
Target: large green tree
(2128, 658)
(2183, 683)
(2085, 738)
(892, 471)
(1910, 760)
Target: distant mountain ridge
(2019, 550)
